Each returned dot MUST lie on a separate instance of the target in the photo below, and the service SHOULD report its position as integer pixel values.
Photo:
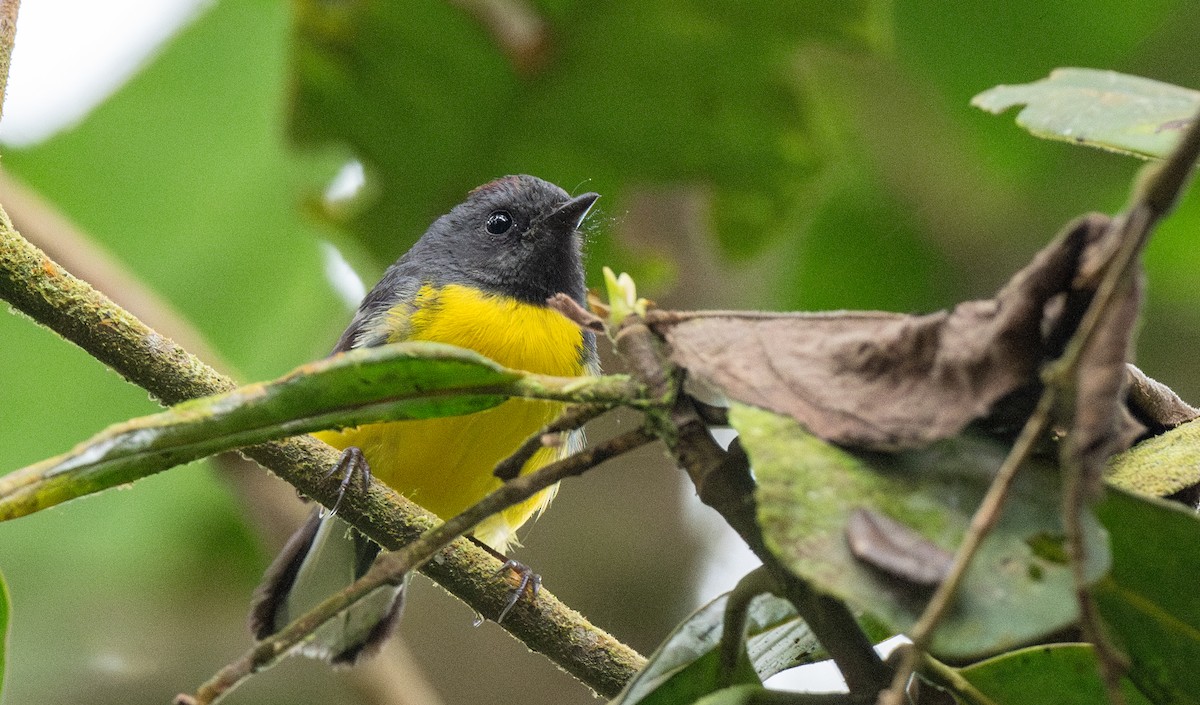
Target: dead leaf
(886, 381)
(1154, 404)
(896, 549)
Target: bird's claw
(351, 464)
(530, 582)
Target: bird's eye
(499, 222)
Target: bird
(480, 277)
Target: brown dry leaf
(887, 381)
(1155, 404)
(896, 549)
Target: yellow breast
(515, 334)
(445, 465)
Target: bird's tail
(323, 556)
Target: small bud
(622, 297)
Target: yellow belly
(445, 464)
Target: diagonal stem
(571, 419)
(1158, 189)
(982, 522)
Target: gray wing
(400, 283)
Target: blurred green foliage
(826, 156)
(713, 100)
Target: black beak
(567, 217)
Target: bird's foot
(530, 582)
(352, 464)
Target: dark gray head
(517, 236)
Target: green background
(813, 155)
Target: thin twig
(391, 567)
(40, 288)
(1081, 471)
(733, 629)
(1154, 197)
(939, 673)
(573, 418)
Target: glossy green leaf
(1018, 588)
(1150, 602)
(1056, 674)
(1105, 109)
(1159, 466)
(777, 639)
(686, 665)
(414, 380)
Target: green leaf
(1159, 466)
(1056, 674)
(1104, 109)
(414, 380)
(1017, 590)
(5, 602)
(777, 639)
(686, 665)
(1149, 602)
